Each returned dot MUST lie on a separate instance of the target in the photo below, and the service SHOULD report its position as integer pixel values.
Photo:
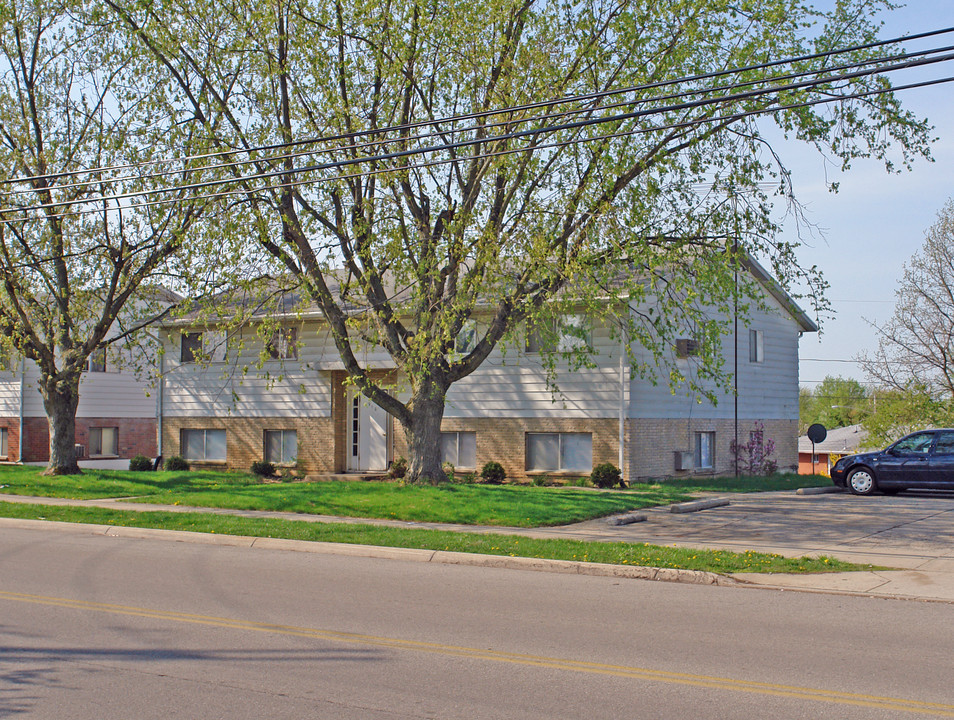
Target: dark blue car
(923, 459)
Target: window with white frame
(103, 441)
(466, 339)
(281, 446)
(564, 334)
(283, 344)
(4, 451)
(559, 452)
(459, 449)
(206, 444)
(705, 450)
(97, 360)
(756, 346)
(190, 349)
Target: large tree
(916, 345)
(439, 162)
(78, 259)
(835, 402)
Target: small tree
(754, 457)
(916, 348)
(77, 255)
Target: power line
(518, 108)
(520, 135)
(896, 59)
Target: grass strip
(617, 553)
(468, 504)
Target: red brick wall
(12, 426)
(136, 436)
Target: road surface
(105, 627)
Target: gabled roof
(291, 301)
(839, 440)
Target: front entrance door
(367, 434)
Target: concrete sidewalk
(916, 536)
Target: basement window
(459, 449)
(202, 444)
(103, 442)
(559, 452)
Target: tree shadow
(25, 672)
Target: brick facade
(652, 442)
(12, 426)
(504, 440)
(136, 436)
(245, 440)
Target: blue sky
(876, 221)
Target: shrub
(448, 468)
(466, 478)
(606, 475)
(541, 480)
(753, 457)
(176, 464)
(397, 469)
(263, 468)
(493, 473)
(140, 463)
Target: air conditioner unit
(79, 450)
(683, 459)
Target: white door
(367, 434)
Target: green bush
(140, 463)
(398, 468)
(176, 464)
(606, 475)
(493, 473)
(263, 468)
(465, 478)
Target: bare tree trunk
(60, 399)
(423, 432)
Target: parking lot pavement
(913, 532)
(841, 525)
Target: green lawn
(503, 505)
(639, 554)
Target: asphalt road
(105, 627)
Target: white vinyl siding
(559, 452)
(203, 444)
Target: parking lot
(902, 531)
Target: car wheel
(861, 481)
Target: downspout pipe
(22, 394)
(622, 407)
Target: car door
(906, 463)
(942, 461)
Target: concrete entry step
(348, 477)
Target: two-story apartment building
(298, 408)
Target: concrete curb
(627, 519)
(697, 505)
(819, 490)
(693, 577)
